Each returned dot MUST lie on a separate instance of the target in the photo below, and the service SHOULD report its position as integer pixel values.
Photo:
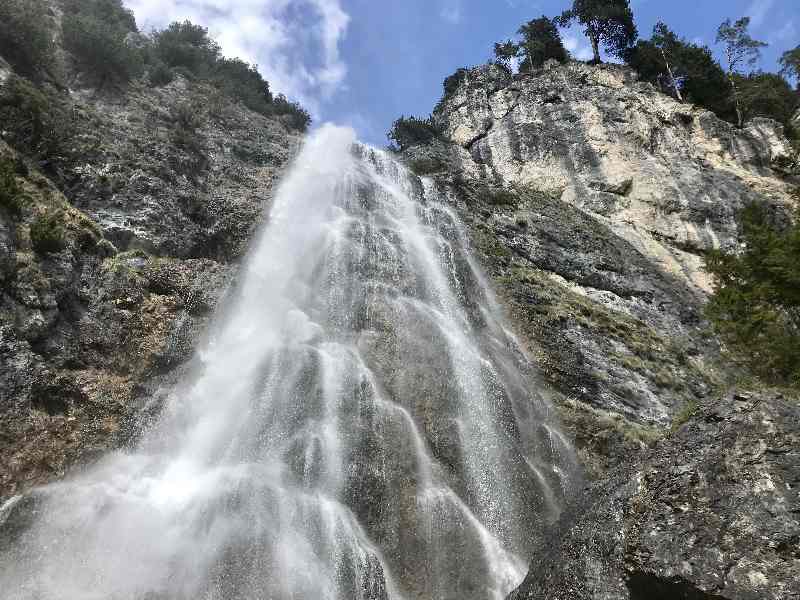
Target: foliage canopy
(410, 131)
(790, 64)
(701, 79)
(756, 303)
(607, 23)
(539, 41)
(26, 39)
(97, 34)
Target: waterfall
(362, 424)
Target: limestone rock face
(666, 177)
(593, 199)
(711, 513)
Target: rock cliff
(152, 229)
(710, 513)
(593, 200)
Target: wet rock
(88, 333)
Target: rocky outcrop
(711, 513)
(154, 217)
(593, 199)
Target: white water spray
(363, 426)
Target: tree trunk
(672, 78)
(739, 119)
(595, 48)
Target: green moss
(11, 197)
(686, 413)
(426, 166)
(492, 247)
(47, 232)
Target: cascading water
(362, 425)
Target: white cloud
(757, 11)
(295, 43)
(787, 33)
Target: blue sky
(365, 62)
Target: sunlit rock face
(667, 177)
(592, 199)
(361, 424)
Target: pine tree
(607, 23)
(756, 302)
(790, 65)
(740, 50)
(506, 53)
(541, 42)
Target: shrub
(451, 84)
(111, 12)
(294, 115)
(766, 95)
(410, 131)
(187, 120)
(188, 46)
(26, 40)
(188, 50)
(23, 108)
(426, 166)
(10, 192)
(756, 302)
(242, 81)
(159, 74)
(96, 32)
(37, 121)
(500, 196)
(47, 232)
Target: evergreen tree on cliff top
(605, 22)
(692, 68)
(790, 64)
(740, 50)
(540, 42)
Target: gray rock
(90, 334)
(593, 199)
(713, 512)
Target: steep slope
(594, 198)
(154, 210)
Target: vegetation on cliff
(607, 23)
(539, 42)
(103, 39)
(685, 70)
(756, 304)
